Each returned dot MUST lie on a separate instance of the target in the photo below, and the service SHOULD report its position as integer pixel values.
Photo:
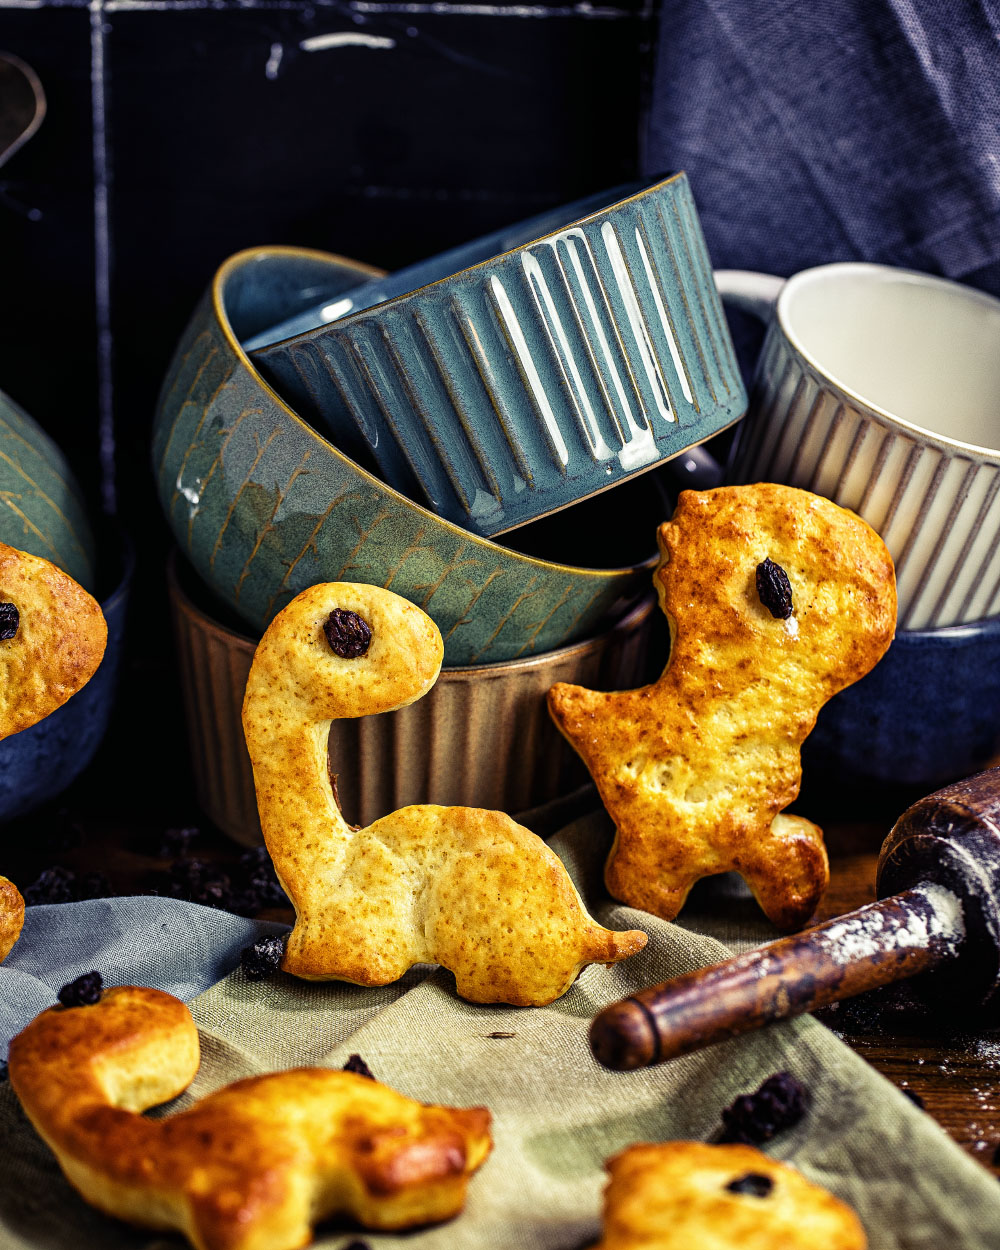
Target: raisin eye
(348, 634)
(10, 621)
(755, 1184)
(774, 589)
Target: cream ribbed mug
(880, 389)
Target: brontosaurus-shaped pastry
(462, 887)
(52, 639)
(249, 1167)
(776, 599)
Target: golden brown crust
(59, 643)
(11, 916)
(696, 768)
(250, 1167)
(674, 1196)
(467, 888)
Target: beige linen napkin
(557, 1114)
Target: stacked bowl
(323, 422)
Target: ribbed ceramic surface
(481, 737)
(938, 509)
(41, 505)
(536, 378)
(264, 506)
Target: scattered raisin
(356, 1064)
(754, 1184)
(10, 621)
(774, 589)
(83, 992)
(176, 843)
(263, 958)
(754, 1118)
(913, 1096)
(357, 1244)
(62, 885)
(348, 634)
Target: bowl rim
(629, 620)
(679, 176)
(961, 631)
(242, 258)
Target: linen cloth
(863, 130)
(557, 1114)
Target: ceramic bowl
(39, 763)
(263, 505)
(929, 712)
(481, 737)
(535, 378)
(43, 510)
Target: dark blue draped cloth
(856, 130)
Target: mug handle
(750, 292)
(754, 293)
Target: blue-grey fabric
(863, 130)
(179, 947)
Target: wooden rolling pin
(938, 882)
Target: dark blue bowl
(928, 713)
(40, 762)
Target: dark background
(179, 132)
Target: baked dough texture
(249, 1167)
(674, 1196)
(59, 642)
(463, 887)
(696, 769)
(58, 646)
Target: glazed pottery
(42, 508)
(481, 737)
(880, 388)
(535, 378)
(928, 712)
(264, 506)
(39, 763)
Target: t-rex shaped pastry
(465, 888)
(776, 599)
(685, 1194)
(52, 639)
(249, 1167)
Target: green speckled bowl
(41, 506)
(263, 506)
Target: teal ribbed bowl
(533, 379)
(41, 505)
(263, 505)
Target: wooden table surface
(956, 1076)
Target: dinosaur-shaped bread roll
(465, 888)
(686, 1195)
(776, 599)
(249, 1167)
(52, 639)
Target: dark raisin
(774, 589)
(755, 1184)
(754, 1118)
(913, 1096)
(357, 1244)
(176, 843)
(996, 1156)
(356, 1064)
(53, 885)
(83, 992)
(263, 958)
(348, 634)
(10, 621)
